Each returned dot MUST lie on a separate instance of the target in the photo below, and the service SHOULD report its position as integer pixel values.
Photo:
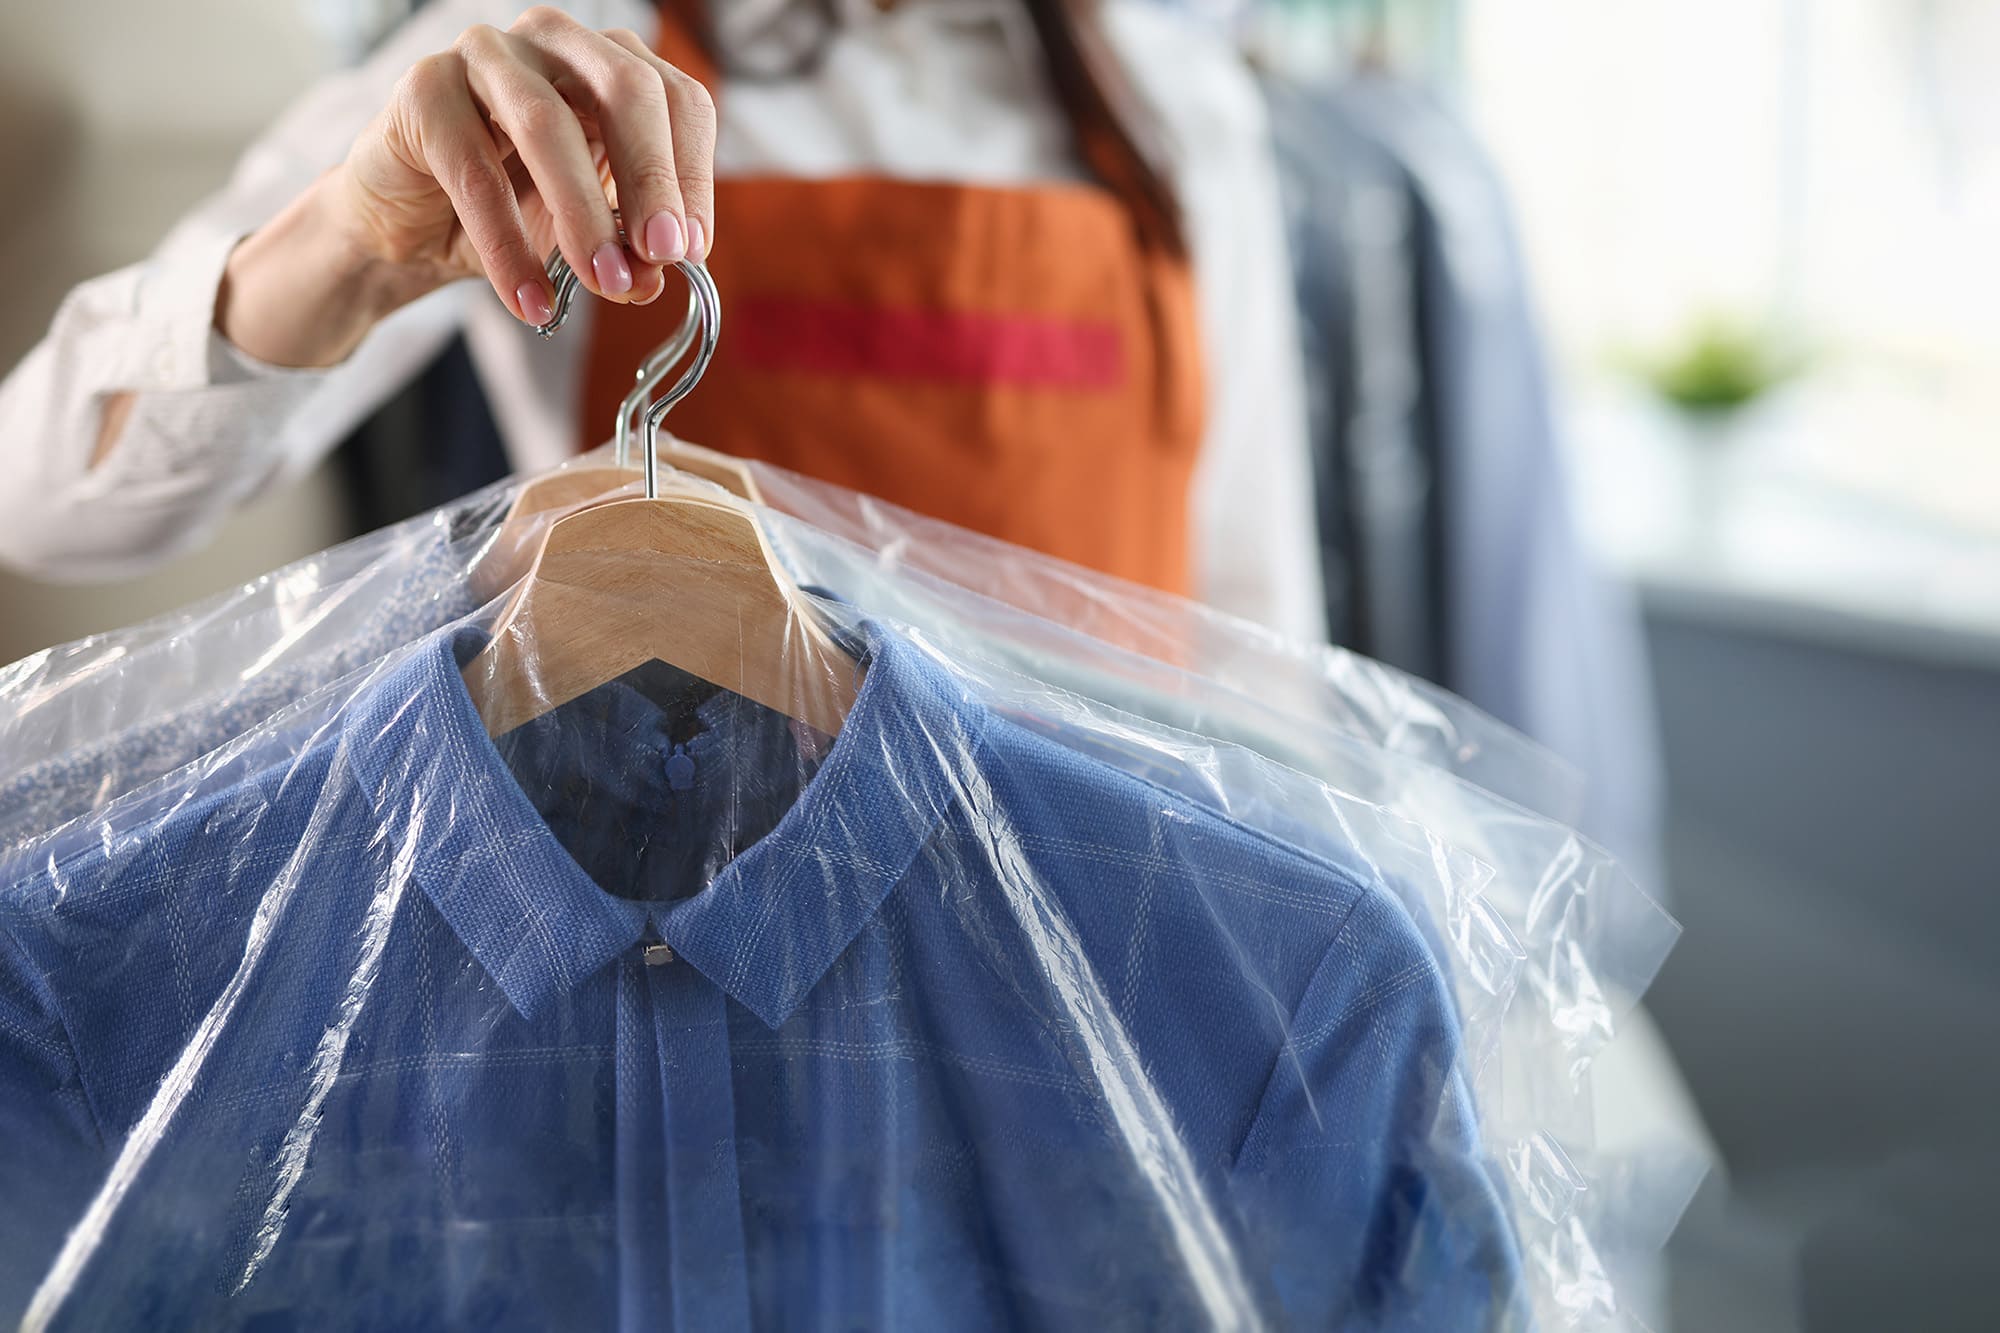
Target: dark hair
(1120, 140)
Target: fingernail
(614, 275)
(665, 241)
(697, 239)
(534, 303)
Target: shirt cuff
(206, 407)
(177, 303)
(230, 364)
(176, 310)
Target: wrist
(304, 289)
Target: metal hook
(709, 305)
(563, 278)
(649, 375)
(703, 320)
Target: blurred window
(1827, 170)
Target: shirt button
(163, 364)
(658, 955)
(680, 769)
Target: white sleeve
(1252, 520)
(209, 427)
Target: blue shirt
(652, 1016)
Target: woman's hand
(486, 156)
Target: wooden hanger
(519, 538)
(681, 579)
(503, 563)
(684, 579)
(520, 532)
(731, 474)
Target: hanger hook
(563, 278)
(703, 320)
(709, 305)
(649, 375)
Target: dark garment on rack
(431, 443)
(1352, 226)
(1445, 458)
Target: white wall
(176, 71)
(115, 117)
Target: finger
(626, 97)
(460, 154)
(517, 96)
(646, 288)
(691, 112)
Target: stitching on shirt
(1381, 990)
(1288, 1050)
(901, 1049)
(431, 1063)
(436, 1060)
(1249, 886)
(835, 768)
(1141, 935)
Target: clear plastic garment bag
(736, 923)
(131, 705)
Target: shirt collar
(770, 925)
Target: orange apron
(1017, 361)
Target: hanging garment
(1373, 422)
(432, 442)
(1442, 483)
(1314, 211)
(1483, 958)
(1550, 945)
(1022, 362)
(929, 1023)
(1540, 637)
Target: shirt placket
(681, 1242)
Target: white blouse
(932, 90)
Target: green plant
(1721, 367)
